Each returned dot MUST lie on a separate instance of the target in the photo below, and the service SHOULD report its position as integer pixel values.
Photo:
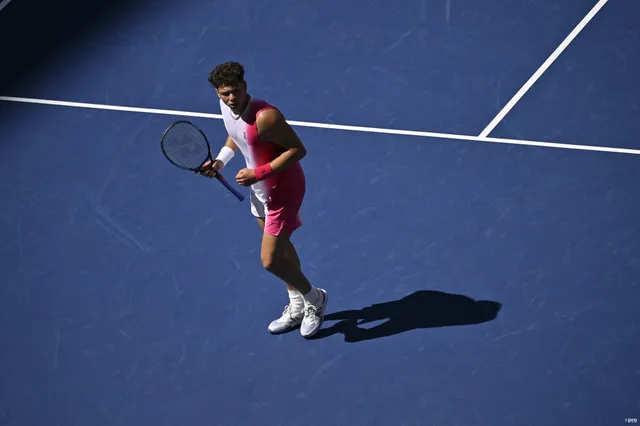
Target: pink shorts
(280, 215)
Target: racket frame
(198, 169)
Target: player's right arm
(225, 155)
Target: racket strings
(185, 146)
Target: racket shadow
(420, 310)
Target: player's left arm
(273, 127)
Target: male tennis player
(272, 153)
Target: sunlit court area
(471, 209)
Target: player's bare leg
(290, 253)
(293, 312)
(279, 257)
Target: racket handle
(231, 189)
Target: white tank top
(257, 152)
(238, 129)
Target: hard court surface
(470, 282)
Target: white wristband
(225, 155)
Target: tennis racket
(187, 147)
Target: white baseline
(543, 68)
(328, 126)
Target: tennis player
(272, 153)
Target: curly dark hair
(227, 74)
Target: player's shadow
(422, 309)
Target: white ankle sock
(296, 300)
(313, 297)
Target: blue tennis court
(470, 282)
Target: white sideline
(542, 68)
(4, 4)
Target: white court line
(329, 126)
(543, 68)
(4, 4)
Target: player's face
(233, 96)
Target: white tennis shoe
(290, 319)
(314, 315)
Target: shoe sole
(285, 330)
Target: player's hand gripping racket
(187, 147)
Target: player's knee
(269, 261)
